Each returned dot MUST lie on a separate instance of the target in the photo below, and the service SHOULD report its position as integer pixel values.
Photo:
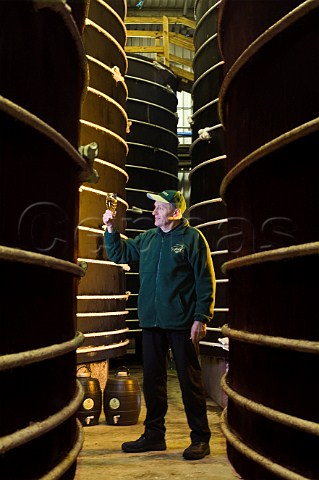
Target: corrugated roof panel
(160, 4)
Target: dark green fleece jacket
(177, 279)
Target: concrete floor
(102, 458)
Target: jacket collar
(179, 230)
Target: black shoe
(196, 451)
(144, 444)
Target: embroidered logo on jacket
(178, 248)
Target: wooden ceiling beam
(150, 20)
(148, 49)
(183, 20)
(181, 41)
(145, 33)
(180, 72)
(180, 60)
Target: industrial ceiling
(161, 7)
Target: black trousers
(156, 343)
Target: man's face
(163, 214)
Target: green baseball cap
(174, 197)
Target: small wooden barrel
(91, 407)
(122, 399)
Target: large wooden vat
(269, 107)
(42, 80)
(207, 210)
(101, 296)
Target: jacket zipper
(156, 281)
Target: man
(176, 300)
